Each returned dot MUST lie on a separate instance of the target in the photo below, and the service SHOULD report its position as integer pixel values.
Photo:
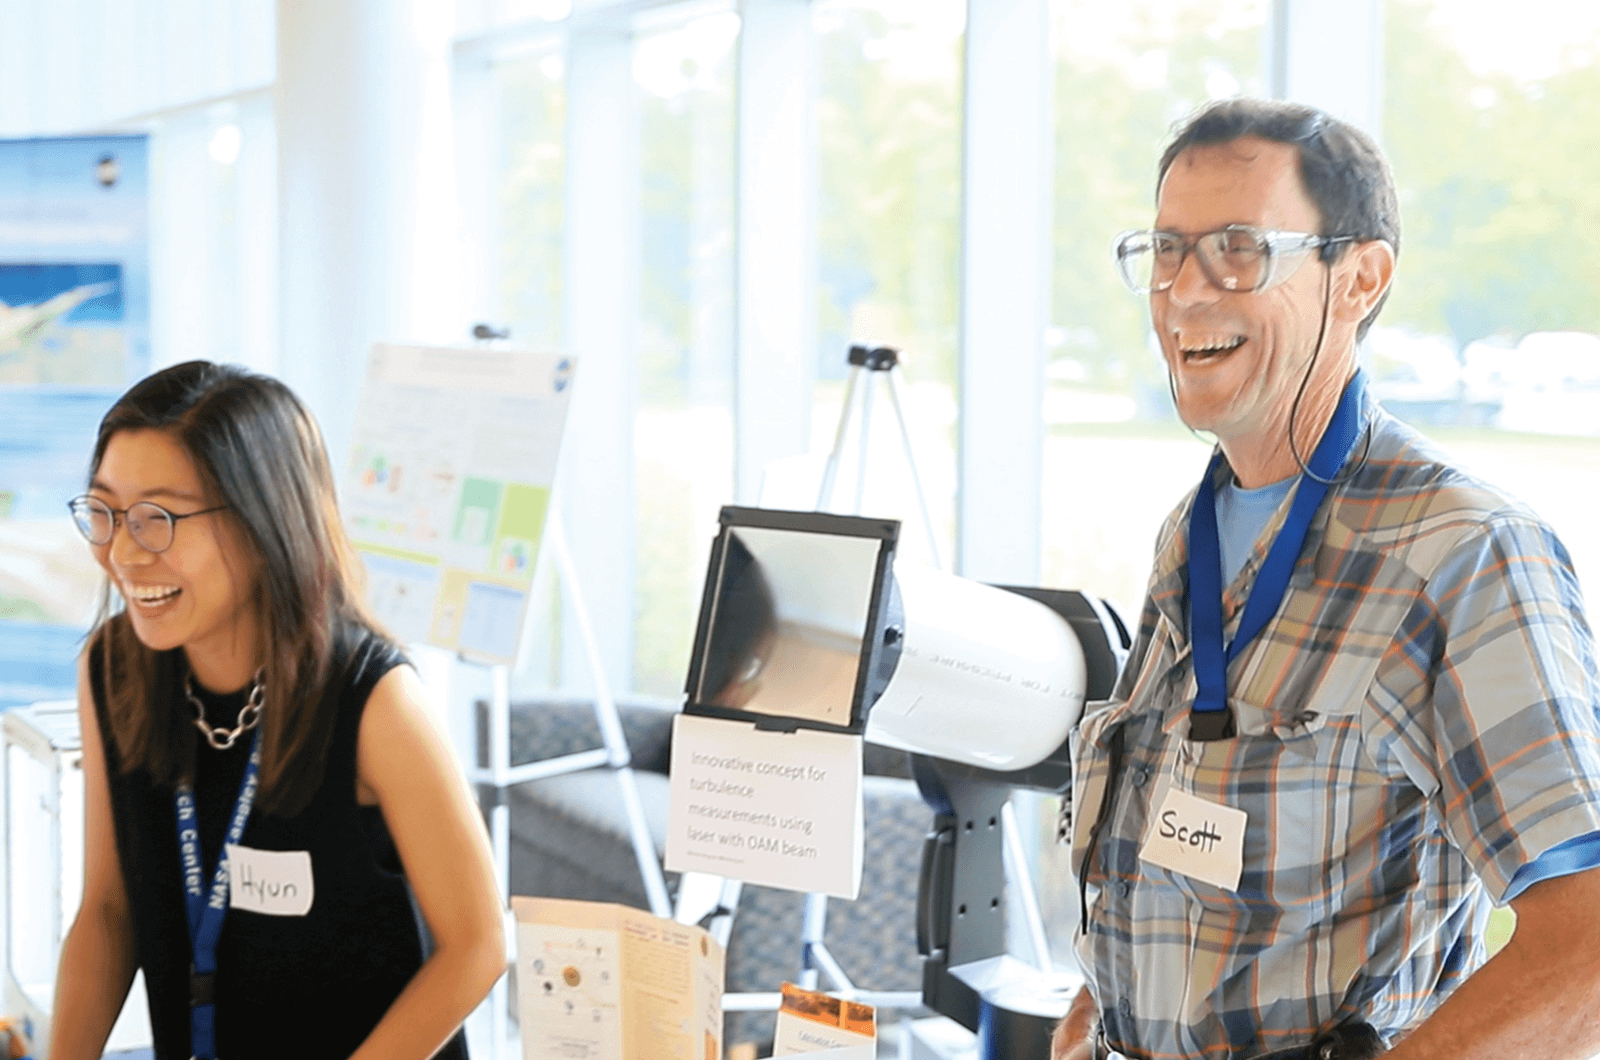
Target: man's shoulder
(1410, 494)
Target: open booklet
(600, 981)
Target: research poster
(448, 485)
(74, 333)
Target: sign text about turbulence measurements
(740, 828)
(778, 809)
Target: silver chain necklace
(249, 714)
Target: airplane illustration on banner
(20, 325)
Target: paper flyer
(601, 981)
(774, 808)
(823, 1026)
(451, 464)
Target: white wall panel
(1005, 267)
(366, 194)
(78, 66)
(776, 238)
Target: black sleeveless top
(307, 986)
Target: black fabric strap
(1348, 1041)
(202, 988)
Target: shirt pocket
(1319, 655)
(1301, 766)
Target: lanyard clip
(1206, 725)
(202, 988)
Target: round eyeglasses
(1238, 259)
(150, 525)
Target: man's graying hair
(1344, 173)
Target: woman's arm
(97, 960)
(406, 764)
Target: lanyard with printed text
(1212, 718)
(205, 913)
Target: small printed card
(824, 1027)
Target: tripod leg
(831, 470)
(605, 712)
(866, 445)
(916, 480)
(812, 930)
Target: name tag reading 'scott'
(274, 882)
(1200, 839)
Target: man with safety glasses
(1360, 710)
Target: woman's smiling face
(197, 593)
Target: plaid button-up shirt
(1415, 724)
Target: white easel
(498, 775)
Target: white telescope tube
(986, 677)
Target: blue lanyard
(205, 914)
(1212, 718)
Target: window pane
(889, 211)
(683, 432)
(1124, 74)
(1489, 341)
(532, 102)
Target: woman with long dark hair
(269, 807)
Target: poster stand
(452, 503)
(497, 776)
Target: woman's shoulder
(364, 656)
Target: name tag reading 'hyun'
(1200, 839)
(273, 882)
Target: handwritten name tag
(1200, 839)
(274, 882)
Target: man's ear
(1368, 268)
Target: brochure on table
(601, 981)
(445, 496)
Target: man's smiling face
(1237, 359)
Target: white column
(1330, 55)
(183, 208)
(329, 231)
(601, 313)
(1004, 288)
(775, 278)
(366, 192)
(256, 191)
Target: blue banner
(74, 333)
